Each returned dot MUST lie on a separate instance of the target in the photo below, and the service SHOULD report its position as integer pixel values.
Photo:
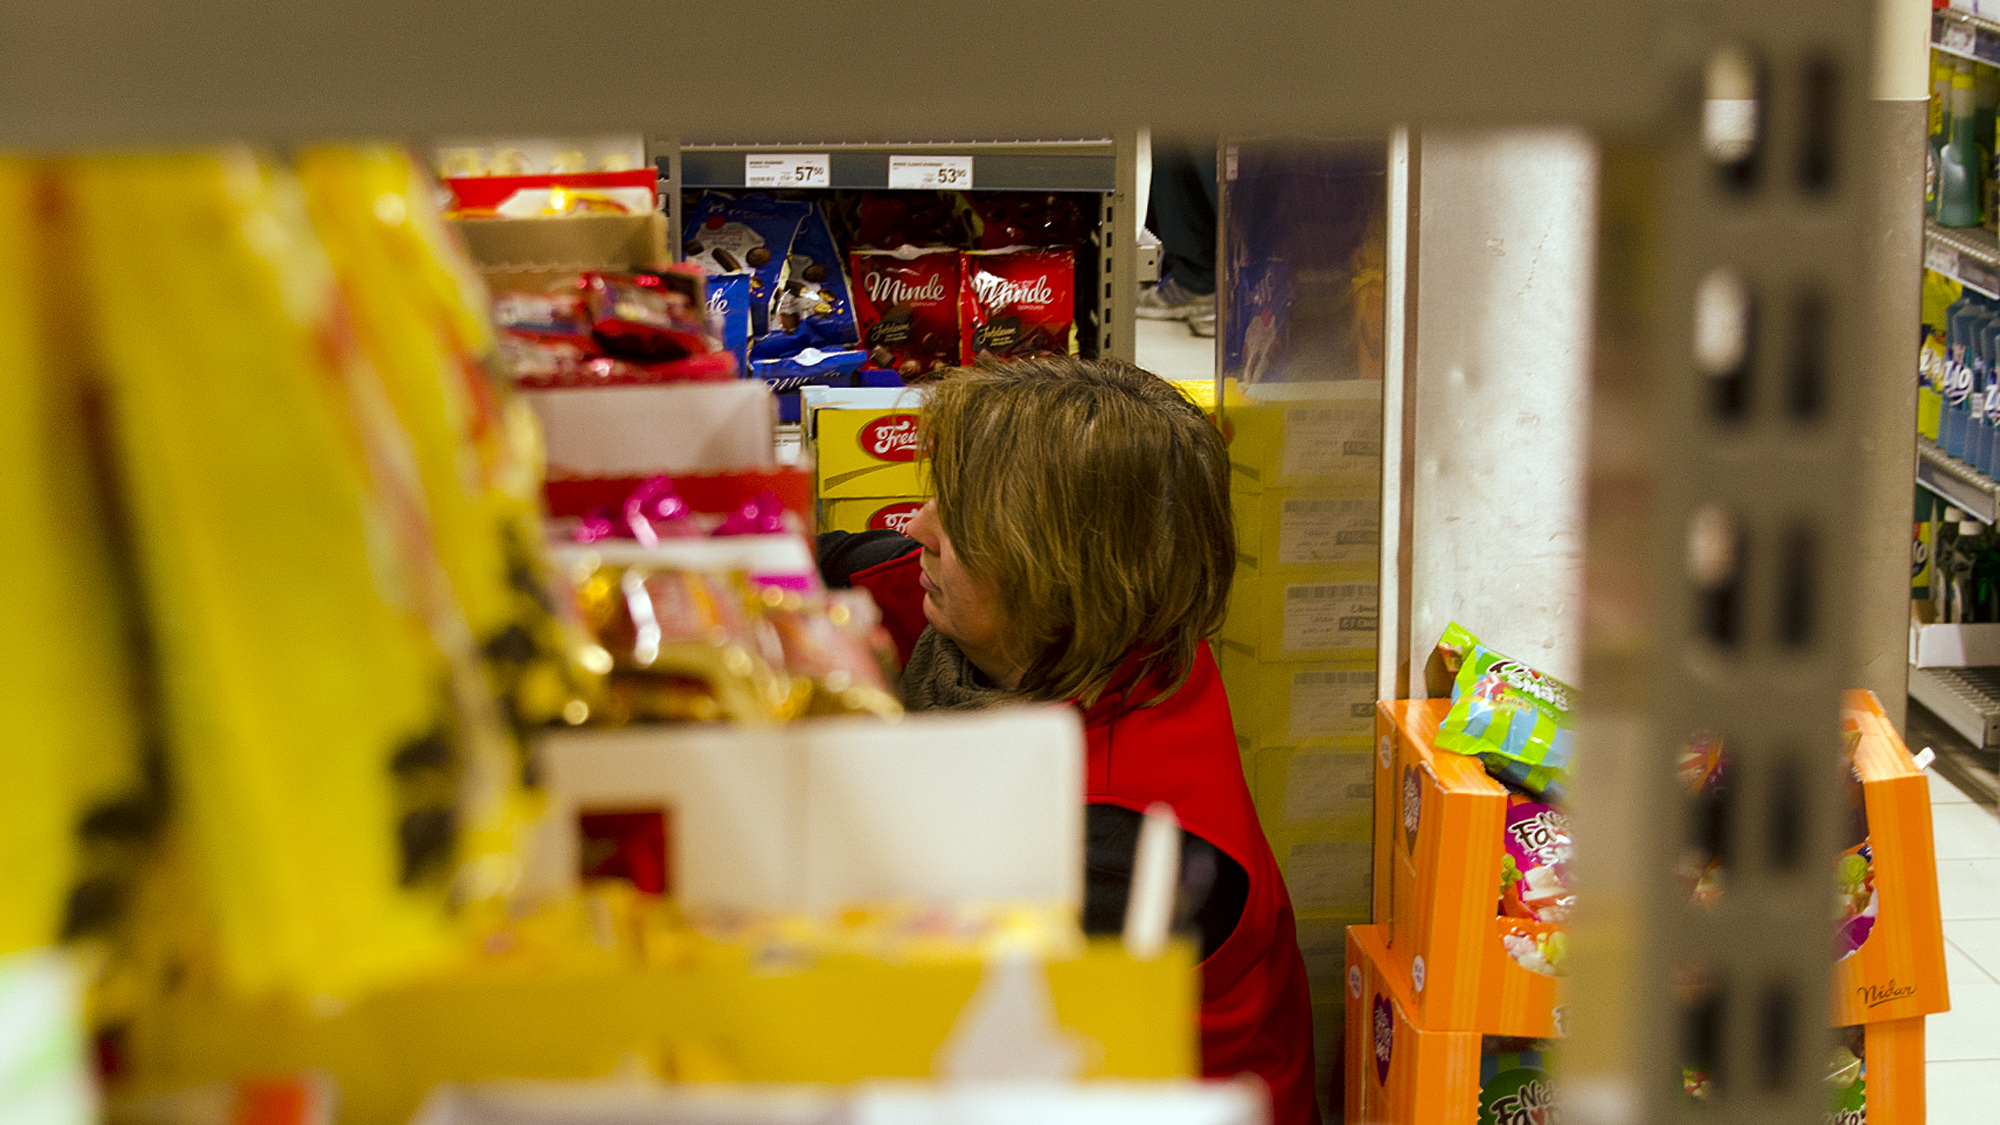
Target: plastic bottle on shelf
(1941, 549)
(1962, 163)
(1985, 102)
(1978, 359)
(1987, 397)
(1940, 120)
(1957, 376)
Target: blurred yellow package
(419, 315)
(308, 712)
(76, 808)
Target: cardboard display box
(531, 254)
(1291, 434)
(1297, 703)
(1279, 619)
(864, 442)
(1443, 817)
(1327, 530)
(1321, 788)
(1899, 970)
(1396, 1073)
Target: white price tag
(1958, 38)
(787, 169)
(947, 172)
(1941, 259)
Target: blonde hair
(1096, 498)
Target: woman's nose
(924, 526)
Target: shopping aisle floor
(1962, 1046)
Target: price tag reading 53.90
(915, 172)
(787, 169)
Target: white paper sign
(787, 169)
(944, 172)
(1958, 38)
(1942, 259)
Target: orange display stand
(1396, 1073)
(1894, 1054)
(1438, 824)
(1898, 972)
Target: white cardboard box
(1954, 646)
(673, 428)
(815, 816)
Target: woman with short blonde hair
(1078, 546)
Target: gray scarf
(940, 678)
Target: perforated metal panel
(1718, 575)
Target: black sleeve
(843, 554)
(1213, 886)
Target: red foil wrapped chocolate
(1018, 303)
(907, 302)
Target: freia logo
(887, 288)
(997, 291)
(892, 437)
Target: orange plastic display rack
(1898, 972)
(1438, 852)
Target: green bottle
(1941, 73)
(1962, 164)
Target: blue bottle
(1957, 379)
(1979, 430)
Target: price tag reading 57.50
(952, 172)
(787, 169)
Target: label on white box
(1330, 615)
(1329, 440)
(1326, 531)
(1328, 874)
(1318, 786)
(787, 169)
(949, 173)
(1331, 703)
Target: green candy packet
(1514, 719)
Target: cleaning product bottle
(1941, 545)
(1922, 524)
(1964, 555)
(1985, 99)
(1940, 120)
(1957, 377)
(1962, 163)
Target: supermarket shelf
(1961, 485)
(1967, 255)
(1967, 36)
(1966, 698)
(1085, 165)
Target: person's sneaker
(1201, 321)
(1168, 301)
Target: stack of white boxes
(1298, 652)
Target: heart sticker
(1384, 1027)
(1354, 981)
(1413, 799)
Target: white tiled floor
(1169, 350)
(1962, 1046)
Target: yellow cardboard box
(1324, 788)
(865, 453)
(1326, 872)
(1334, 527)
(873, 513)
(1289, 434)
(1298, 703)
(1277, 618)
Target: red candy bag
(907, 303)
(1018, 302)
(646, 317)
